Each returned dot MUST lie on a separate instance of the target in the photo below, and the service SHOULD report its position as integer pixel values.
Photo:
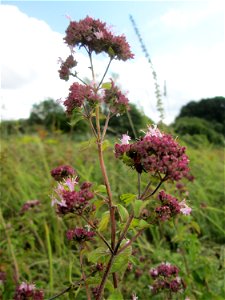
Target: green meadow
(33, 244)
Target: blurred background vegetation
(33, 244)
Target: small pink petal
(68, 17)
(186, 210)
(99, 35)
(153, 131)
(70, 183)
(125, 139)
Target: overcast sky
(185, 40)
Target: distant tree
(52, 116)
(196, 126)
(211, 109)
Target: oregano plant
(106, 227)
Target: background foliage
(34, 244)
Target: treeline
(197, 122)
(203, 120)
(51, 117)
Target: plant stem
(75, 75)
(104, 278)
(106, 126)
(62, 293)
(155, 190)
(99, 140)
(124, 232)
(106, 70)
(131, 123)
(72, 286)
(111, 206)
(11, 250)
(146, 189)
(98, 233)
(139, 185)
(92, 66)
(49, 249)
(131, 241)
(83, 276)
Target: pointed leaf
(124, 215)
(104, 221)
(128, 198)
(121, 261)
(106, 85)
(116, 295)
(101, 189)
(98, 255)
(137, 207)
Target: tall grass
(34, 245)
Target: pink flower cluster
(79, 93)
(170, 207)
(77, 96)
(95, 36)
(62, 172)
(27, 291)
(117, 102)
(166, 277)
(29, 205)
(66, 66)
(80, 234)
(155, 153)
(68, 200)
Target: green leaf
(134, 260)
(111, 52)
(124, 215)
(98, 255)
(121, 261)
(106, 85)
(128, 198)
(138, 204)
(76, 117)
(104, 221)
(105, 145)
(195, 226)
(101, 189)
(143, 224)
(116, 295)
(94, 280)
(139, 224)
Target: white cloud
(184, 17)
(30, 50)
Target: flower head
(186, 210)
(115, 99)
(169, 206)
(27, 291)
(66, 66)
(79, 93)
(62, 172)
(155, 153)
(80, 234)
(95, 36)
(68, 200)
(29, 205)
(165, 277)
